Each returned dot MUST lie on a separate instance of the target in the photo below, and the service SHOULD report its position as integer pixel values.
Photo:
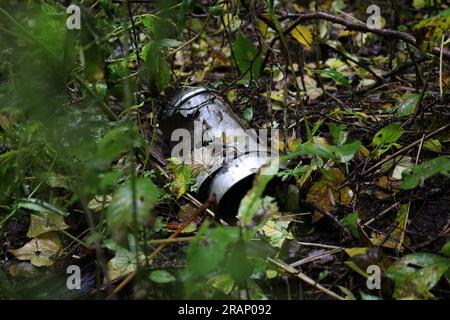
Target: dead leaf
(324, 193)
(397, 237)
(45, 222)
(100, 202)
(41, 251)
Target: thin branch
(354, 26)
(305, 278)
(358, 26)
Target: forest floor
(360, 212)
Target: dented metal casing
(205, 135)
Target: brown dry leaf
(41, 251)
(389, 184)
(324, 194)
(45, 222)
(312, 91)
(186, 211)
(378, 238)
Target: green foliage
(205, 256)
(132, 204)
(386, 138)
(216, 10)
(248, 114)
(248, 57)
(338, 133)
(430, 31)
(338, 77)
(409, 104)
(415, 274)
(182, 177)
(161, 276)
(69, 146)
(351, 221)
(428, 169)
(39, 206)
(116, 141)
(7, 290)
(342, 153)
(446, 249)
(253, 201)
(157, 67)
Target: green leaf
(216, 11)
(415, 274)
(312, 149)
(366, 296)
(338, 133)
(161, 276)
(39, 206)
(439, 165)
(157, 67)
(352, 265)
(205, 256)
(182, 177)
(351, 221)
(248, 114)
(222, 282)
(409, 105)
(115, 142)
(348, 294)
(446, 249)
(338, 77)
(238, 264)
(388, 135)
(252, 201)
(420, 4)
(120, 210)
(124, 261)
(248, 57)
(346, 152)
(343, 153)
(276, 230)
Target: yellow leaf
(45, 222)
(181, 177)
(397, 237)
(356, 251)
(99, 202)
(302, 35)
(324, 193)
(41, 251)
(263, 28)
(123, 262)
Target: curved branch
(355, 26)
